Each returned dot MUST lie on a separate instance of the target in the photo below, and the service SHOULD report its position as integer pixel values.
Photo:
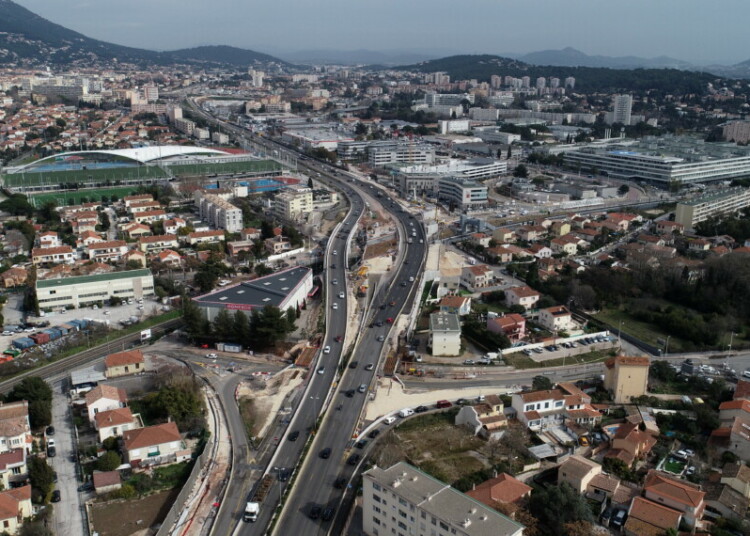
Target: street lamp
(666, 346)
(731, 338)
(619, 334)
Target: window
(402, 513)
(376, 509)
(376, 498)
(376, 520)
(402, 502)
(443, 526)
(402, 525)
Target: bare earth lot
(124, 518)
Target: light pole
(731, 338)
(619, 334)
(666, 346)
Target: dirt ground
(381, 248)
(127, 518)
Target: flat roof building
(288, 288)
(84, 290)
(404, 500)
(690, 213)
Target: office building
(293, 204)
(404, 500)
(285, 289)
(731, 200)
(219, 213)
(622, 108)
(85, 290)
(462, 193)
(664, 161)
(385, 153)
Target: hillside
(588, 79)
(28, 39)
(575, 58)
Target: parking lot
(568, 349)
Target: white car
(327, 350)
(211, 356)
(50, 443)
(335, 305)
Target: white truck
(251, 512)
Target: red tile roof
(105, 479)
(503, 488)
(654, 514)
(151, 436)
(114, 417)
(106, 391)
(119, 359)
(676, 490)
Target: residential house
(742, 390)
(602, 487)
(84, 221)
(13, 470)
(250, 234)
(587, 235)
(724, 502)
(13, 277)
(540, 409)
(448, 284)
(669, 227)
(106, 481)
(626, 377)
(104, 398)
(131, 199)
(567, 244)
(15, 430)
(734, 437)
(486, 418)
(647, 518)
(124, 363)
(111, 250)
(559, 228)
(144, 206)
(629, 443)
(734, 408)
(525, 296)
(579, 222)
(135, 230)
(49, 239)
(15, 507)
(237, 246)
(173, 225)
(680, 495)
(458, 305)
(87, 238)
(699, 244)
(277, 244)
(501, 254)
(578, 472)
(115, 422)
(512, 325)
(651, 240)
(557, 318)
(531, 233)
(736, 475)
(168, 257)
(148, 216)
(540, 251)
(623, 220)
(503, 234)
(154, 445)
(480, 239)
(445, 334)
(477, 277)
(136, 256)
(205, 237)
(503, 489)
(154, 244)
(52, 255)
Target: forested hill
(588, 79)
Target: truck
(250, 515)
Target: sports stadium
(121, 170)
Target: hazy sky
(698, 31)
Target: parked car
(56, 496)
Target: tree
(35, 528)
(541, 383)
(109, 461)
(39, 395)
(623, 190)
(521, 171)
(241, 328)
(223, 325)
(554, 506)
(182, 400)
(578, 528)
(41, 476)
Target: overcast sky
(698, 31)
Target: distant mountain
(482, 67)
(224, 54)
(358, 57)
(571, 57)
(28, 39)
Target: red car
(339, 338)
(389, 320)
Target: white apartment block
(622, 108)
(462, 193)
(292, 204)
(445, 334)
(220, 213)
(402, 500)
(400, 153)
(84, 290)
(696, 210)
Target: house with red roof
(477, 277)
(115, 422)
(124, 363)
(154, 445)
(503, 489)
(512, 325)
(523, 295)
(648, 518)
(680, 495)
(630, 443)
(15, 507)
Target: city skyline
(681, 29)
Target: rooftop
(447, 322)
(81, 279)
(269, 290)
(151, 436)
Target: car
(328, 514)
(333, 267)
(690, 453)
(294, 435)
(690, 470)
(461, 402)
(51, 452)
(342, 295)
(335, 306)
(56, 496)
(107, 312)
(375, 433)
(340, 482)
(51, 442)
(339, 338)
(381, 338)
(321, 370)
(369, 366)
(468, 361)
(335, 252)
(362, 388)
(50, 430)
(392, 304)
(54, 477)
(584, 442)
(354, 364)
(88, 486)
(618, 520)
(681, 454)
(379, 323)
(361, 443)
(349, 393)
(283, 474)
(420, 409)
(315, 512)
(353, 459)
(389, 320)
(527, 352)
(327, 350)
(211, 356)
(325, 453)
(403, 283)
(382, 307)
(335, 282)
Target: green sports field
(75, 197)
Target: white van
(405, 412)
(390, 419)
(746, 374)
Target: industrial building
(85, 290)
(690, 213)
(288, 288)
(404, 500)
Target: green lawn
(645, 332)
(674, 466)
(95, 194)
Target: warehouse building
(80, 291)
(288, 288)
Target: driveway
(68, 517)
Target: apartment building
(445, 334)
(384, 153)
(88, 289)
(52, 255)
(404, 500)
(111, 250)
(626, 377)
(219, 213)
(293, 204)
(690, 213)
